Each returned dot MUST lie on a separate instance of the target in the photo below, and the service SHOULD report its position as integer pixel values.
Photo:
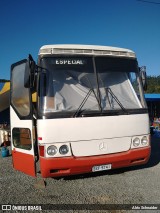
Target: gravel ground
(136, 185)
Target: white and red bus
(80, 109)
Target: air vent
(45, 51)
(86, 52)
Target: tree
(153, 83)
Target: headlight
(144, 141)
(63, 150)
(136, 142)
(52, 150)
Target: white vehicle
(89, 113)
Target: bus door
(21, 120)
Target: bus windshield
(91, 85)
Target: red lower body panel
(24, 163)
(54, 167)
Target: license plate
(101, 168)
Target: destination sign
(69, 61)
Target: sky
(26, 25)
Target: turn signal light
(41, 151)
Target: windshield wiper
(84, 101)
(109, 91)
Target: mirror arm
(143, 75)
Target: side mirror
(29, 76)
(143, 77)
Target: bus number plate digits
(101, 168)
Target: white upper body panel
(92, 128)
(87, 135)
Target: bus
(78, 109)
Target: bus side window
(22, 138)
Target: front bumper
(55, 167)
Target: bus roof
(152, 97)
(86, 50)
(4, 96)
